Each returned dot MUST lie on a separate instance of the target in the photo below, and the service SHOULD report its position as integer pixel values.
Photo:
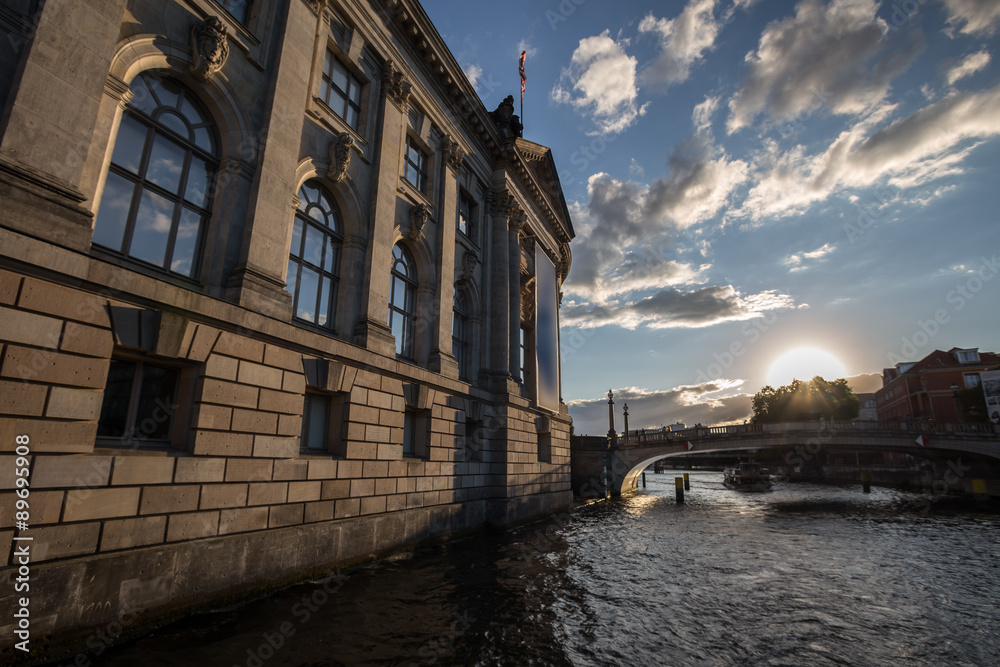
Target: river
(802, 575)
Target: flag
(921, 440)
(520, 69)
(688, 446)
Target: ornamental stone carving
(209, 47)
(397, 88)
(517, 218)
(452, 153)
(508, 124)
(340, 156)
(418, 218)
(500, 202)
(469, 262)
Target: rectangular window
(545, 447)
(972, 380)
(968, 356)
(416, 432)
(316, 423)
(415, 170)
(475, 439)
(340, 90)
(238, 9)
(138, 406)
(467, 211)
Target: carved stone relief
(340, 156)
(209, 47)
(418, 218)
(397, 88)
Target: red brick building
(928, 390)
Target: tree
(805, 401)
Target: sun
(804, 363)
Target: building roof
(940, 360)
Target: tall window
(239, 9)
(341, 90)
(157, 197)
(416, 165)
(314, 265)
(402, 300)
(460, 334)
(138, 405)
(467, 212)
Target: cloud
(969, 66)
(683, 41)
(911, 152)
(601, 81)
(472, 73)
(701, 116)
(974, 16)
(836, 57)
(671, 308)
(798, 261)
(625, 227)
(708, 403)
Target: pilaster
(50, 123)
(259, 280)
(500, 202)
(442, 360)
(372, 330)
(515, 222)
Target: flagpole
(520, 71)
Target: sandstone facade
(267, 300)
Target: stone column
(500, 202)
(258, 282)
(372, 330)
(442, 359)
(52, 119)
(515, 222)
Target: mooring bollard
(866, 482)
(679, 488)
(687, 482)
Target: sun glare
(804, 363)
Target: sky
(748, 178)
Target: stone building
(277, 293)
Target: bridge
(619, 465)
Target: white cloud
(684, 40)
(701, 116)
(926, 145)
(602, 82)
(969, 66)
(472, 73)
(974, 15)
(836, 57)
(800, 261)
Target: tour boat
(747, 476)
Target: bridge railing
(643, 436)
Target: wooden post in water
(866, 482)
(687, 482)
(679, 488)
(644, 480)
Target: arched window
(402, 300)
(460, 334)
(158, 195)
(314, 264)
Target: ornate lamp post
(612, 436)
(625, 414)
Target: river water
(802, 575)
